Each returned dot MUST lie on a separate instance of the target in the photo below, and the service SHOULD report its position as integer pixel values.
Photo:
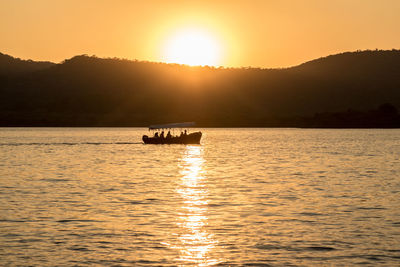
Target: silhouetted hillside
(90, 91)
(10, 65)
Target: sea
(243, 197)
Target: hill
(10, 65)
(91, 91)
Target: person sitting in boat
(183, 134)
(156, 135)
(169, 134)
(162, 135)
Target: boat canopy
(171, 125)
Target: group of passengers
(169, 135)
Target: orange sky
(259, 33)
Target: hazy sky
(260, 33)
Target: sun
(192, 47)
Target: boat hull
(193, 138)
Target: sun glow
(192, 47)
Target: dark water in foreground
(273, 197)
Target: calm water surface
(273, 197)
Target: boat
(183, 138)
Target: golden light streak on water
(196, 242)
(245, 197)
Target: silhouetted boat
(183, 138)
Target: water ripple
(245, 197)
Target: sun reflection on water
(195, 242)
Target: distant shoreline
(212, 127)
(347, 90)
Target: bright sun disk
(192, 47)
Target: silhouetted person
(185, 133)
(162, 134)
(156, 135)
(169, 134)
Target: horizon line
(202, 66)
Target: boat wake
(70, 144)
